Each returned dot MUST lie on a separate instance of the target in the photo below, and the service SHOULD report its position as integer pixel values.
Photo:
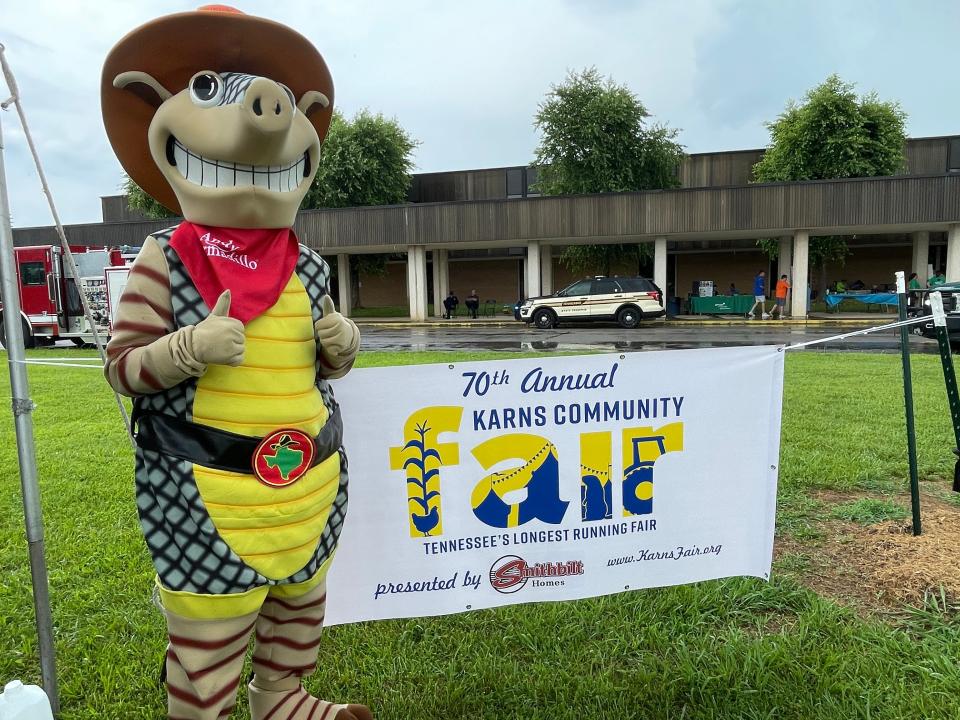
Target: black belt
(219, 449)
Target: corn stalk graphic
(421, 481)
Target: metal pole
(908, 403)
(23, 420)
(67, 254)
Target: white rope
(865, 331)
(69, 359)
(51, 363)
(15, 99)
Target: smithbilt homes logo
(511, 573)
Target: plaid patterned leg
(287, 643)
(204, 664)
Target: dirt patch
(836, 497)
(833, 566)
(883, 566)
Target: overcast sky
(465, 77)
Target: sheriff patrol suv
(951, 305)
(624, 299)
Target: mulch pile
(905, 567)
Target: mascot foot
(298, 704)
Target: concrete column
(953, 252)
(921, 255)
(785, 256)
(784, 263)
(546, 269)
(412, 281)
(437, 298)
(533, 268)
(343, 282)
(660, 266)
(423, 295)
(417, 281)
(801, 260)
(441, 281)
(444, 277)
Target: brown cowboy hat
(175, 47)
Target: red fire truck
(50, 294)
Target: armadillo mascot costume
(225, 337)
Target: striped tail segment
(204, 664)
(285, 651)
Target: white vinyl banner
(480, 484)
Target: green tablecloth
(721, 305)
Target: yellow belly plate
(274, 530)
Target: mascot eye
(206, 89)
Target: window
(515, 182)
(605, 287)
(31, 273)
(636, 284)
(532, 177)
(953, 161)
(521, 182)
(579, 288)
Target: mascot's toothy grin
(220, 173)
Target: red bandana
(255, 265)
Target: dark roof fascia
(547, 198)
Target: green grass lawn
(733, 649)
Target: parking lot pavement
(611, 337)
(510, 335)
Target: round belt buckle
(283, 457)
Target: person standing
(914, 289)
(759, 295)
(938, 278)
(783, 287)
(473, 303)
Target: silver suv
(624, 299)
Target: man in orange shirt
(783, 287)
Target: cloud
(465, 78)
(763, 54)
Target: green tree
(831, 134)
(601, 259)
(137, 199)
(365, 160)
(595, 137)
